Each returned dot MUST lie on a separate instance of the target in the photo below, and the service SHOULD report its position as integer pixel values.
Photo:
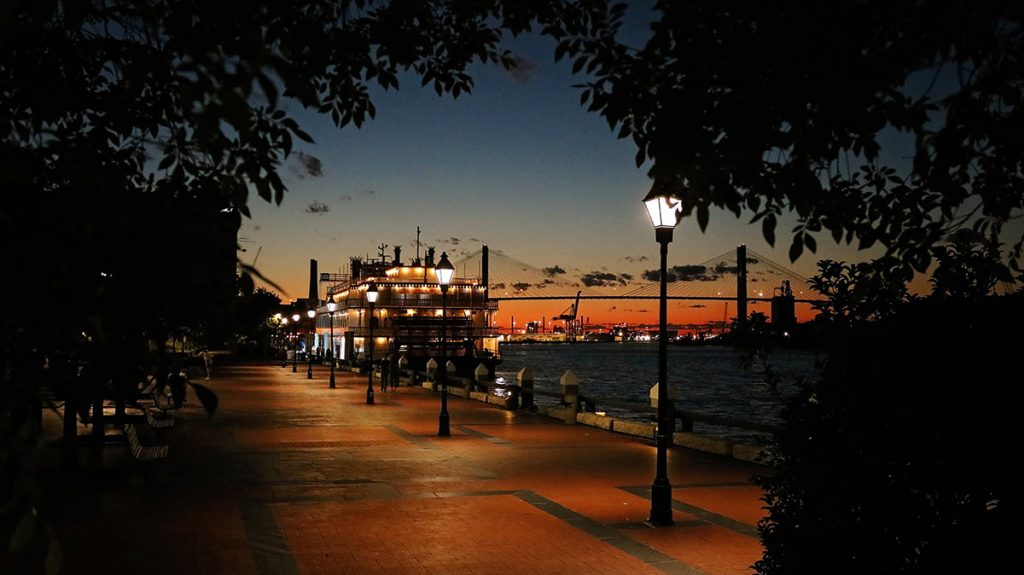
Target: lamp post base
(332, 379)
(443, 428)
(661, 504)
(369, 396)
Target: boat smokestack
(314, 299)
(485, 270)
(430, 257)
(398, 256)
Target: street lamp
(312, 336)
(331, 307)
(284, 341)
(664, 210)
(371, 298)
(444, 271)
(295, 346)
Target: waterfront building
(407, 316)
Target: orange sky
(632, 312)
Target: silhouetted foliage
(968, 267)
(897, 459)
(874, 122)
(859, 293)
(131, 135)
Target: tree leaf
(797, 248)
(768, 229)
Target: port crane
(569, 317)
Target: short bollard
(525, 378)
(432, 373)
(571, 394)
(687, 424)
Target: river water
(703, 379)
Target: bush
(897, 460)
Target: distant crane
(569, 317)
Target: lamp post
(295, 346)
(664, 211)
(444, 271)
(331, 307)
(312, 335)
(371, 298)
(284, 342)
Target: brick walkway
(290, 477)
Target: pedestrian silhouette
(385, 367)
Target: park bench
(143, 452)
(158, 419)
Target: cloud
(553, 271)
(523, 70)
(498, 286)
(600, 279)
(698, 306)
(633, 259)
(368, 192)
(317, 207)
(311, 165)
(521, 286)
(454, 241)
(685, 273)
(345, 197)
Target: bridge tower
(741, 285)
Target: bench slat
(143, 452)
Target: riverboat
(410, 318)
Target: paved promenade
(291, 477)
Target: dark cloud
(698, 306)
(454, 241)
(633, 259)
(474, 240)
(523, 70)
(613, 308)
(497, 286)
(345, 197)
(553, 271)
(369, 192)
(600, 279)
(311, 165)
(317, 207)
(521, 286)
(686, 273)
(722, 268)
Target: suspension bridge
(716, 279)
